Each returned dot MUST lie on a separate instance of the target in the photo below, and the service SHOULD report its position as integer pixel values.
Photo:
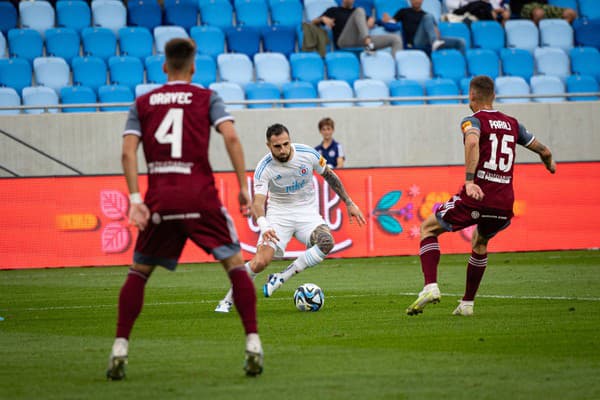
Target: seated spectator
(351, 28)
(420, 29)
(474, 10)
(536, 10)
(331, 150)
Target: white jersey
(289, 185)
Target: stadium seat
(414, 65)
(115, 94)
(236, 68)
(370, 89)
(110, 14)
(182, 14)
(8, 17)
(587, 32)
(316, 8)
(126, 71)
(52, 72)
(144, 13)
(77, 95)
(154, 69)
(511, 86)
(388, 6)
(38, 15)
(464, 85)
(252, 13)
(229, 92)
(144, 88)
(442, 87)
(135, 42)
(279, 39)
(169, 3)
(342, 65)
(379, 65)
(406, 88)
(286, 13)
(448, 64)
(206, 70)
(589, 9)
(564, 3)
(15, 73)
(582, 84)
(552, 61)
(517, 62)
(544, 84)
(25, 43)
(210, 40)
(39, 96)
(366, 5)
(299, 90)
(433, 7)
(483, 62)
(556, 33)
(9, 98)
(3, 52)
(89, 71)
(245, 40)
(272, 67)
(586, 61)
(99, 42)
(456, 29)
(307, 67)
(262, 91)
(522, 34)
(487, 35)
(217, 13)
(162, 34)
(335, 90)
(62, 42)
(73, 14)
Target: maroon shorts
(162, 242)
(455, 215)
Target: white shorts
(293, 225)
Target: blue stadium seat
(252, 13)
(546, 84)
(556, 33)
(115, 94)
(15, 73)
(448, 64)
(380, 65)
(126, 71)
(307, 67)
(316, 8)
(154, 69)
(286, 13)
(78, 95)
(586, 61)
(99, 42)
(433, 7)
(335, 90)
(144, 88)
(517, 62)
(8, 17)
(38, 15)
(217, 13)
(89, 71)
(52, 72)
(9, 98)
(582, 84)
(62, 42)
(272, 67)
(110, 14)
(456, 29)
(279, 39)
(236, 68)
(587, 32)
(169, 3)
(589, 9)
(210, 40)
(245, 40)
(2, 45)
(366, 5)
(552, 61)
(564, 3)
(144, 13)
(184, 15)
(388, 6)
(262, 91)
(39, 96)
(522, 34)
(511, 86)
(342, 65)
(162, 34)
(487, 35)
(442, 87)
(136, 42)
(229, 92)
(464, 85)
(370, 89)
(299, 90)
(73, 14)
(483, 62)
(414, 65)
(406, 88)
(25, 43)
(206, 70)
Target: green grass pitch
(535, 333)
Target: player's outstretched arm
(545, 154)
(236, 155)
(138, 211)
(338, 187)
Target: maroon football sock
(430, 258)
(475, 270)
(131, 301)
(244, 298)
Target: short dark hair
(326, 122)
(276, 130)
(180, 53)
(483, 88)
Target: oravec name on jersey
(170, 98)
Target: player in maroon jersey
(486, 199)
(173, 124)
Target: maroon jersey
(498, 136)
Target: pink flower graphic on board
(115, 238)
(114, 204)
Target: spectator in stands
(351, 28)
(536, 10)
(420, 29)
(474, 10)
(331, 150)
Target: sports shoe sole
(116, 369)
(253, 364)
(419, 304)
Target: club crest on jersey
(303, 170)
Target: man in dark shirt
(351, 26)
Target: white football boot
(429, 294)
(465, 308)
(253, 362)
(117, 360)
(273, 283)
(224, 306)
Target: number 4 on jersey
(170, 131)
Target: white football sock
(253, 343)
(309, 258)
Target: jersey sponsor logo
(491, 177)
(466, 126)
(294, 187)
(157, 218)
(498, 124)
(322, 161)
(171, 98)
(170, 167)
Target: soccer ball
(309, 297)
